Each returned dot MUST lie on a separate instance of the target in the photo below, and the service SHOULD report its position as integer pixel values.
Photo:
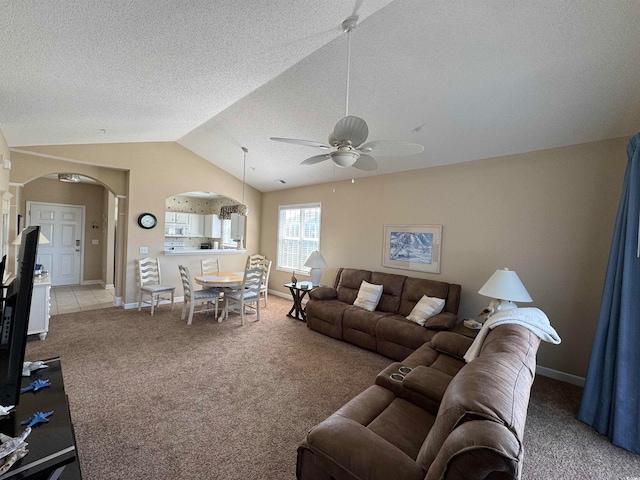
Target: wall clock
(147, 220)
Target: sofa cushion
(425, 308)
(415, 288)
(348, 281)
(325, 316)
(392, 292)
(359, 327)
(368, 296)
(397, 337)
(344, 445)
(403, 425)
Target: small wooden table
(298, 293)
(221, 280)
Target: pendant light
(243, 209)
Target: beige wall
(4, 174)
(548, 215)
(155, 171)
(89, 195)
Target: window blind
(298, 235)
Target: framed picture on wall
(412, 247)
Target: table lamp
(505, 287)
(41, 238)
(316, 263)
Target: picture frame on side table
(412, 247)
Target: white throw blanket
(532, 318)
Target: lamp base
(315, 275)
(496, 306)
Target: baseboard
(118, 302)
(129, 306)
(558, 375)
(279, 294)
(109, 286)
(93, 282)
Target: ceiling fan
(348, 136)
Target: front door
(62, 225)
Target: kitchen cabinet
(196, 225)
(237, 226)
(179, 218)
(212, 226)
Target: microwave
(176, 231)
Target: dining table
(222, 280)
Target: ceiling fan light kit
(351, 132)
(344, 159)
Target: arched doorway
(80, 219)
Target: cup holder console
(398, 377)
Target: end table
(298, 292)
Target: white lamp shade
(316, 263)
(505, 285)
(315, 260)
(41, 239)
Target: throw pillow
(368, 296)
(425, 308)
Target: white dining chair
(209, 266)
(248, 294)
(207, 296)
(258, 260)
(151, 283)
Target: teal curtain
(611, 397)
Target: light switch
(94, 242)
(144, 249)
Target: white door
(62, 225)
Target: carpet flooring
(153, 398)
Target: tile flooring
(76, 298)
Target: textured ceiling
(467, 79)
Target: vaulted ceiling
(468, 79)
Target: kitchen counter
(205, 251)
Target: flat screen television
(15, 319)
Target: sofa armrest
(451, 343)
(476, 450)
(441, 321)
(424, 387)
(343, 448)
(323, 293)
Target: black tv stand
(52, 446)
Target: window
(298, 235)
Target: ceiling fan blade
(366, 163)
(315, 159)
(306, 143)
(384, 148)
(353, 130)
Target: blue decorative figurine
(36, 386)
(36, 418)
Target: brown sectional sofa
(386, 330)
(444, 419)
